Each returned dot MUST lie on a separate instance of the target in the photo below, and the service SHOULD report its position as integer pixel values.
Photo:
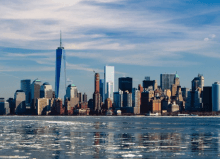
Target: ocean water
(58, 137)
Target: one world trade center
(60, 77)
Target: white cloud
(206, 39)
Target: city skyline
(152, 40)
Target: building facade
(109, 77)
(19, 101)
(60, 72)
(46, 91)
(35, 92)
(26, 87)
(207, 98)
(118, 99)
(101, 89)
(216, 96)
(125, 84)
(71, 91)
(166, 80)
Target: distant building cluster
(39, 98)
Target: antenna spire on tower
(60, 38)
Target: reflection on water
(109, 137)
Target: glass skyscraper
(109, 78)
(166, 80)
(60, 78)
(101, 88)
(216, 96)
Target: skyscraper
(166, 80)
(96, 95)
(35, 92)
(60, 78)
(46, 91)
(198, 82)
(101, 89)
(109, 77)
(26, 87)
(216, 96)
(125, 84)
(19, 100)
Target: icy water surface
(109, 137)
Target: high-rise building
(207, 98)
(71, 91)
(150, 84)
(26, 87)
(35, 92)
(127, 99)
(97, 78)
(79, 95)
(216, 96)
(110, 90)
(109, 77)
(96, 95)
(46, 91)
(4, 107)
(101, 89)
(166, 80)
(84, 97)
(184, 92)
(125, 84)
(135, 97)
(60, 78)
(198, 82)
(118, 99)
(19, 100)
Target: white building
(71, 91)
(46, 91)
(135, 97)
(19, 100)
(216, 96)
(109, 77)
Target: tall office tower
(125, 84)
(198, 82)
(4, 107)
(84, 97)
(60, 78)
(101, 89)
(216, 96)
(207, 98)
(148, 84)
(71, 91)
(175, 86)
(135, 98)
(194, 100)
(127, 99)
(26, 87)
(166, 80)
(97, 78)
(110, 90)
(140, 88)
(79, 95)
(109, 77)
(35, 92)
(96, 95)
(118, 99)
(46, 91)
(19, 100)
(184, 92)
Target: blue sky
(139, 37)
